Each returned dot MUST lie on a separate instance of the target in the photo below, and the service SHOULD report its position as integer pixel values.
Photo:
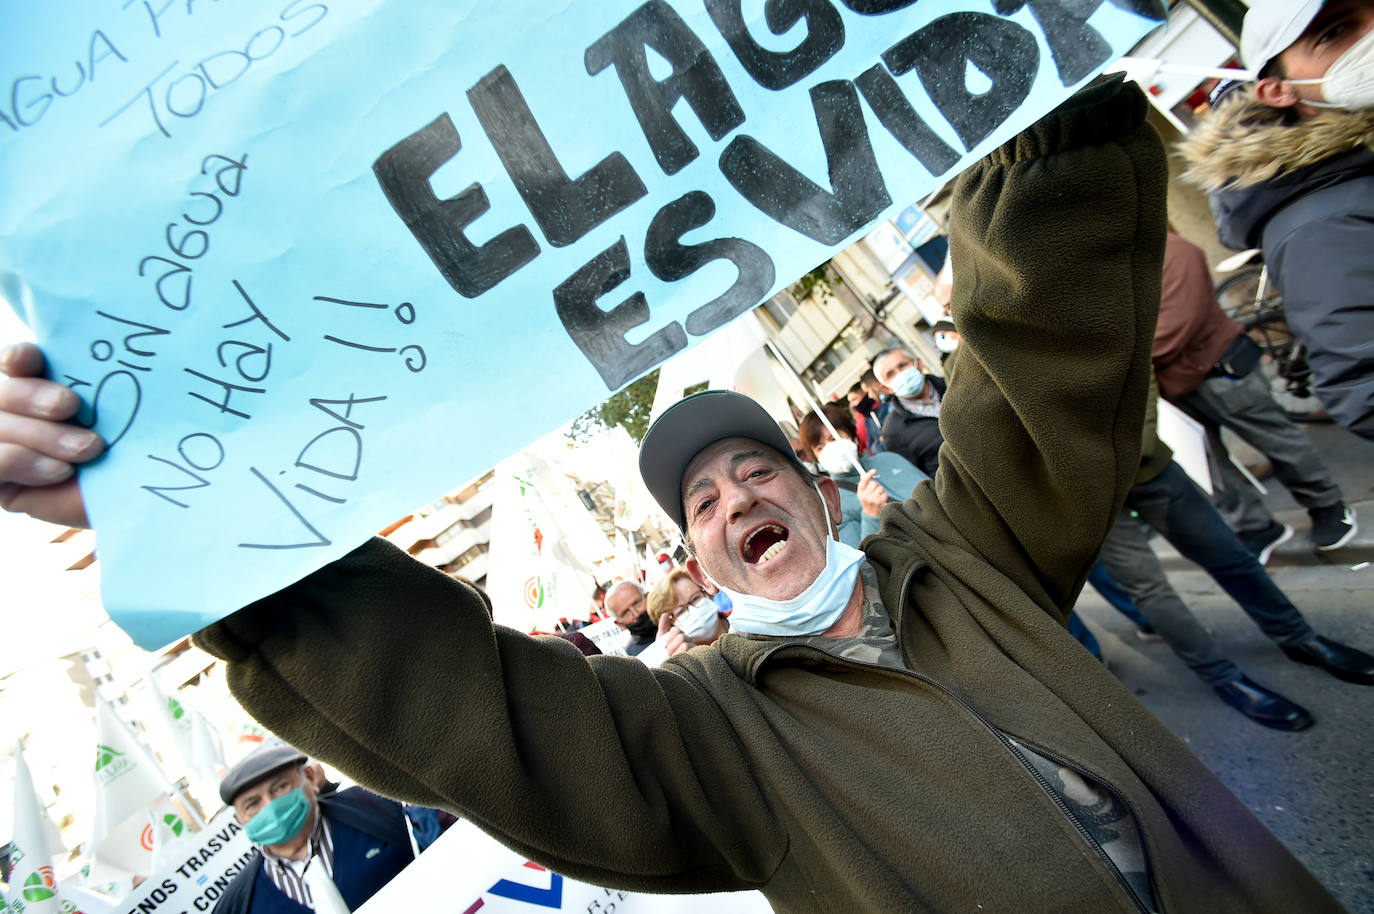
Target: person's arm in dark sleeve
(600, 768)
(1057, 241)
(1326, 274)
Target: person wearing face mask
(912, 429)
(686, 615)
(946, 339)
(1288, 159)
(863, 408)
(885, 477)
(625, 603)
(358, 840)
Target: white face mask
(946, 344)
(699, 620)
(1349, 81)
(838, 457)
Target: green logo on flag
(173, 821)
(177, 710)
(104, 755)
(36, 889)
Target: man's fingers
(21, 360)
(23, 440)
(38, 398)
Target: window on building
(445, 535)
(468, 556)
(849, 341)
(780, 308)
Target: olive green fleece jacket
(828, 784)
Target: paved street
(1314, 789)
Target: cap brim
(690, 426)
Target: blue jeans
(1118, 599)
(1172, 504)
(1085, 637)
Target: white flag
(33, 885)
(128, 849)
(175, 715)
(533, 575)
(127, 782)
(169, 834)
(207, 752)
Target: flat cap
(258, 765)
(688, 427)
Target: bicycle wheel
(1284, 363)
(1238, 293)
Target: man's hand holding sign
(875, 730)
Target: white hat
(1271, 26)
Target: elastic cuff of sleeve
(1105, 110)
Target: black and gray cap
(690, 426)
(258, 765)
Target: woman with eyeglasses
(685, 614)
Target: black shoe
(1264, 706)
(1262, 542)
(1333, 526)
(1148, 633)
(1340, 661)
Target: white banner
(608, 637)
(466, 871)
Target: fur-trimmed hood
(1254, 160)
(1244, 142)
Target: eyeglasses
(696, 602)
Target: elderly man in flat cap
(298, 821)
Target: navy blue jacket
(371, 846)
(917, 438)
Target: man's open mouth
(764, 543)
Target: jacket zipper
(1092, 778)
(1001, 737)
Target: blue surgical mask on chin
(810, 612)
(909, 383)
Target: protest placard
(310, 262)
(206, 863)
(467, 871)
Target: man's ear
(831, 493)
(1276, 93)
(698, 575)
(314, 773)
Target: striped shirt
(289, 875)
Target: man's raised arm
(1057, 243)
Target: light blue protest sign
(309, 262)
